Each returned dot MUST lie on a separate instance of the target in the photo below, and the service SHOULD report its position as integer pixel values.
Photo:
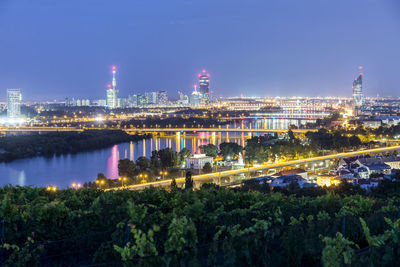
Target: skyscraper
(204, 82)
(204, 86)
(112, 100)
(14, 99)
(162, 97)
(358, 98)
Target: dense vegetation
(212, 226)
(49, 144)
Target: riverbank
(50, 144)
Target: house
(367, 184)
(286, 180)
(393, 162)
(303, 173)
(370, 166)
(197, 161)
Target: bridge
(149, 130)
(215, 177)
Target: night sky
(56, 49)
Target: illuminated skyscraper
(195, 97)
(162, 97)
(112, 100)
(204, 86)
(204, 82)
(358, 98)
(14, 99)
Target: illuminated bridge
(150, 130)
(216, 177)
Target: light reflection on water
(78, 168)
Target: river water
(64, 170)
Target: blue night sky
(57, 49)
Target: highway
(209, 176)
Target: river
(64, 170)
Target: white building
(14, 99)
(197, 161)
(112, 100)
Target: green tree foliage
(209, 149)
(143, 163)
(188, 181)
(230, 150)
(174, 184)
(337, 248)
(207, 167)
(183, 155)
(126, 168)
(212, 226)
(168, 157)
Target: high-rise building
(151, 97)
(141, 100)
(132, 100)
(204, 82)
(195, 97)
(112, 99)
(358, 98)
(183, 99)
(14, 98)
(162, 97)
(204, 86)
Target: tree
(183, 155)
(143, 163)
(126, 168)
(168, 157)
(173, 184)
(101, 176)
(155, 163)
(207, 167)
(291, 136)
(229, 150)
(355, 141)
(210, 150)
(188, 181)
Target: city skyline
(258, 49)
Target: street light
(163, 174)
(122, 179)
(51, 188)
(144, 177)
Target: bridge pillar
(327, 163)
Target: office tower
(112, 99)
(14, 99)
(151, 97)
(204, 82)
(141, 100)
(132, 100)
(358, 98)
(162, 97)
(204, 87)
(195, 97)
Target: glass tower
(14, 99)
(357, 94)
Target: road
(209, 176)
